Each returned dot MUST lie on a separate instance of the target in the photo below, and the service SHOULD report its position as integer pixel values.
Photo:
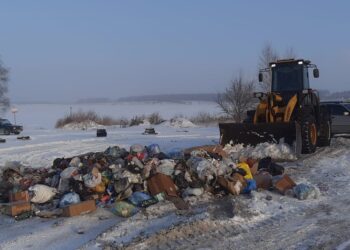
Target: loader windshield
(287, 77)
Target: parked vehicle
(340, 114)
(7, 128)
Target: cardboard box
(81, 208)
(160, 183)
(284, 184)
(16, 208)
(19, 196)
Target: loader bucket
(253, 134)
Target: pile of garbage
(127, 181)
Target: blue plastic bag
(153, 150)
(304, 192)
(69, 199)
(251, 185)
(138, 197)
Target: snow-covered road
(46, 145)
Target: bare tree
(290, 53)
(268, 54)
(237, 98)
(4, 100)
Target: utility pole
(14, 111)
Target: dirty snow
(82, 125)
(278, 152)
(179, 122)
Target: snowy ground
(255, 222)
(244, 222)
(45, 115)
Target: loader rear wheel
(308, 132)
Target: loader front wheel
(308, 133)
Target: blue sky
(66, 50)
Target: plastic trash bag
(42, 193)
(69, 172)
(193, 192)
(116, 152)
(124, 209)
(153, 150)
(91, 180)
(166, 167)
(75, 162)
(137, 198)
(203, 167)
(246, 168)
(304, 191)
(69, 199)
(136, 148)
(251, 185)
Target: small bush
(88, 116)
(155, 118)
(207, 118)
(137, 120)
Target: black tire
(324, 139)
(308, 131)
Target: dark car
(6, 128)
(340, 113)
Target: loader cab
(290, 75)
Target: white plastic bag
(42, 193)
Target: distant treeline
(155, 98)
(325, 95)
(171, 98)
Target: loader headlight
(273, 65)
(300, 62)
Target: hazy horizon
(65, 51)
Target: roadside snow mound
(82, 125)
(276, 151)
(180, 123)
(145, 123)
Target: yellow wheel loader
(289, 113)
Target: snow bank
(82, 125)
(180, 123)
(275, 151)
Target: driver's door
(340, 119)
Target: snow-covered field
(45, 115)
(280, 222)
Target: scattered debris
(23, 138)
(101, 132)
(149, 131)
